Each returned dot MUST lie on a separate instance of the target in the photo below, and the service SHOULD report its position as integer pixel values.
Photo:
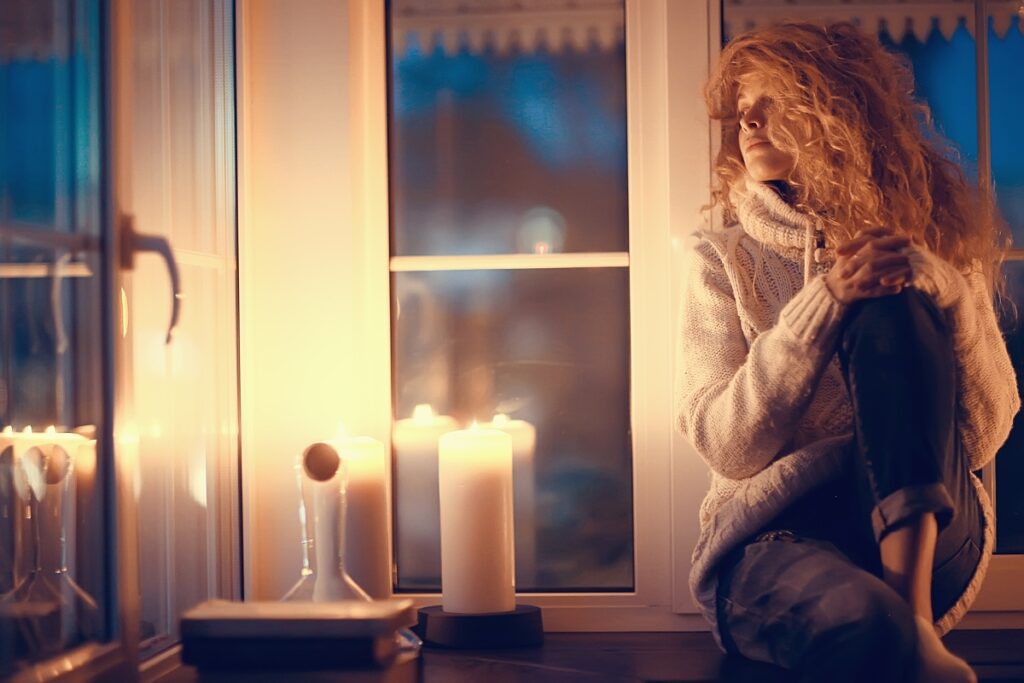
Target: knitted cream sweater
(760, 393)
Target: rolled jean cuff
(895, 509)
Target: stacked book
(263, 640)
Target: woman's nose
(751, 120)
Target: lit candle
(42, 458)
(477, 557)
(366, 515)
(524, 441)
(418, 545)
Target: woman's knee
(884, 324)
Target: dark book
(293, 636)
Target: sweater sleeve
(987, 397)
(738, 405)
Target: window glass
(508, 137)
(1006, 55)
(1006, 101)
(184, 393)
(545, 348)
(507, 152)
(53, 545)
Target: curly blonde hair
(866, 153)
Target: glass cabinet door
(55, 540)
(179, 144)
(117, 329)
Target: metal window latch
(133, 242)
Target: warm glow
(51, 430)
(27, 430)
(127, 439)
(85, 461)
(474, 425)
(500, 419)
(423, 414)
(541, 248)
(8, 430)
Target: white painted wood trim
(401, 264)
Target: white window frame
(313, 245)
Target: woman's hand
(872, 264)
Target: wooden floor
(620, 657)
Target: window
(510, 279)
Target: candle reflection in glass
(418, 546)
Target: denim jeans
(805, 592)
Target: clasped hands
(874, 263)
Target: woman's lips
(755, 143)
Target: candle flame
(51, 430)
(500, 419)
(423, 413)
(27, 430)
(8, 430)
(474, 425)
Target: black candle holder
(522, 627)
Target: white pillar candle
(49, 463)
(366, 515)
(524, 441)
(477, 557)
(321, 465)
(417, 511)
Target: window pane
(1009, 464)
(546, 347)
(1006, 98)
(944, 73)
(53, 545)
(511, 149)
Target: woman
(842, 370)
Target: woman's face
(753, 106)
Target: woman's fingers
(888, 277)
(886, 262)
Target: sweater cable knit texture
(760, 392)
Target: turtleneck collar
(767, 218)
